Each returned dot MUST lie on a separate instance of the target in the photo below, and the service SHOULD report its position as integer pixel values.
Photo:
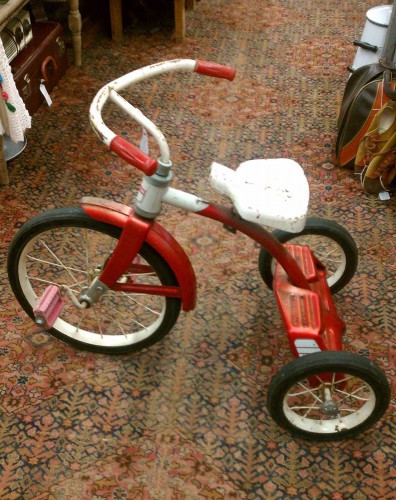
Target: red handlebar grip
(216, 70)
(133, 155)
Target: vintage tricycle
(109, 278)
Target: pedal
(48, 307)
(309, 316)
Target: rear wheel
(328, 395)
(67, 248)
(330, 243)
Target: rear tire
(68, 248)
(328, 395)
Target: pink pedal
(48, 307)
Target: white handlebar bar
(131, 153)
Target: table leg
(75, 28)
(180, 19)
(116, 20)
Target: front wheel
(67, 248)
(328, 395)
(331, 244)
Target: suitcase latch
(60, 43)
(27, 88)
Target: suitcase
(43, 61)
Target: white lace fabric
(15, 123)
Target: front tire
(328, 395)
(67, 248)
(331, 244)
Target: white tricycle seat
(273, 193)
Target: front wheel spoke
(121, 328)
(82, 316)
(39, 280)
(98, 320)
(98, 323)
(56, 265)
(123, 316)
(57, 259)
(135, 321)
(139, 324)
(113, 313)
(132, 299)
(77, 284)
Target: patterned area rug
(187, 418)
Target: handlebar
(130, 153)
(216, 70)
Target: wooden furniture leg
(75, 28)
(190, 4)
(3, 165)
(180, 19)
(116, 20)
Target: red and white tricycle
(109, 278)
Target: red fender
(157, 237)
